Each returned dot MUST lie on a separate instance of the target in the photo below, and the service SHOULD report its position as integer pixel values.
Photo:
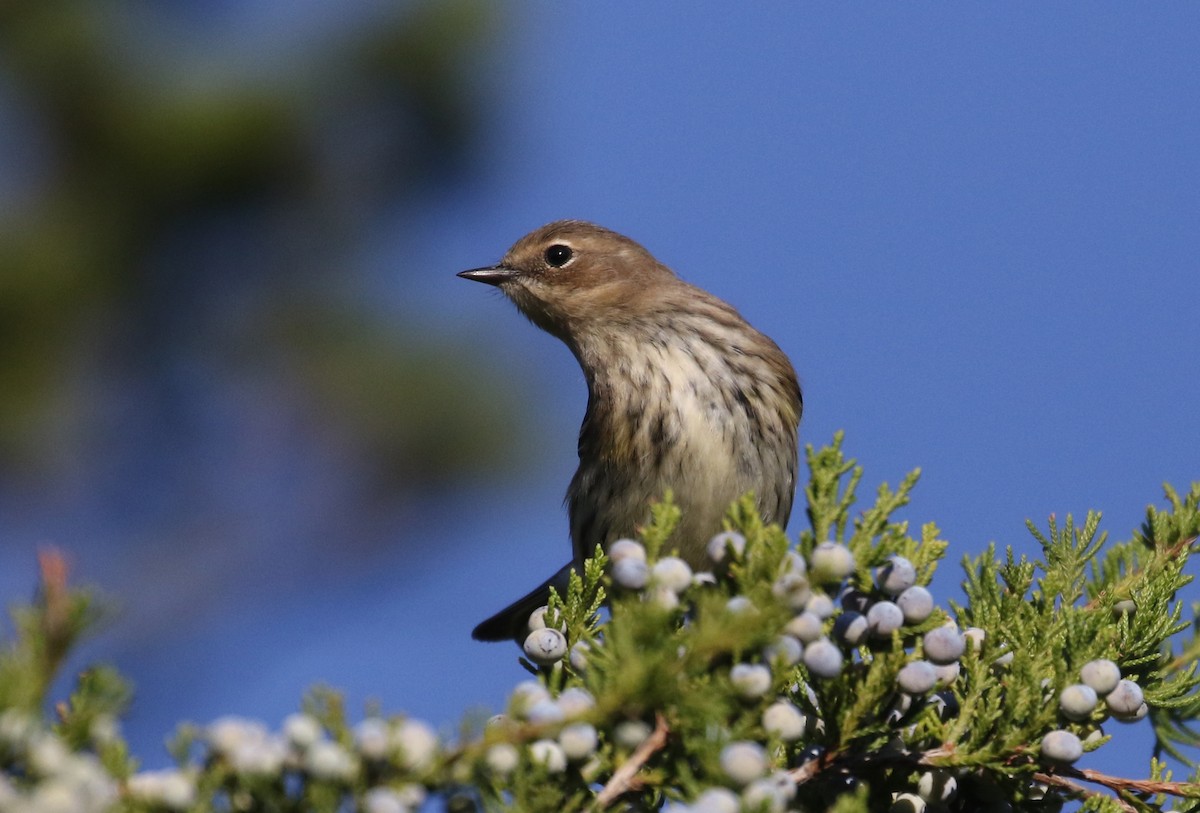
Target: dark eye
(559, 255)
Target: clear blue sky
(975, 229)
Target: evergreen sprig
(779, 680)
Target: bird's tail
(512, 623)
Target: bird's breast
(671, 418)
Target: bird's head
(569, 275)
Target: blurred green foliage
(162, 173)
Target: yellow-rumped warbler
(683, 395)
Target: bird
(684, 397)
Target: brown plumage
(683, 395)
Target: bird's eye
(559, 255)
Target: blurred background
(241, 387)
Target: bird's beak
(493, 275)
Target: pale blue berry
(1125, 699)
(943, 645)
(1062, 747)
(578, 740)
(820, 605)
(48, 754)
(884, 618)
(537, 620)
(805, 627)
(916, 603)
(630, 573)
(717, 800)
(831, 562)
(228, 733)
(416, 743)
(1141, 713)
(544, 712)
(575, 702)
(739, 604)
(743, 762)
(626, 549)
(545, 646)
(1102, 675)
(672, 573)
(896, 576)
(549, 755)
(502, 758)
(302, 730)
(947, 673)
(1077, 701)
(662, 597)
(793, 590)
(793, 562)
(823, 659)
(578, 655)
(526, 693)
(329, 760)
(371, 738)
(720, 545)
(785, 648)
(917, 677)
(171, 788)
(255, 757)
(764, 796)
(750, 680)
(784, 720)
(851, 628)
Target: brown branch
(1183, 789)
(1117, 784)
(54, 594)
(625, 779)
(808, 770)
(1066, 784)
(56, 628)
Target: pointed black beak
(493, 275)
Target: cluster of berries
(302, 750)
(39, 771)
(834, 625)
(1080, 703)
(576, 741)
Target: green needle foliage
(744, 688)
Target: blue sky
(973, 228)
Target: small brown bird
(683, 395)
